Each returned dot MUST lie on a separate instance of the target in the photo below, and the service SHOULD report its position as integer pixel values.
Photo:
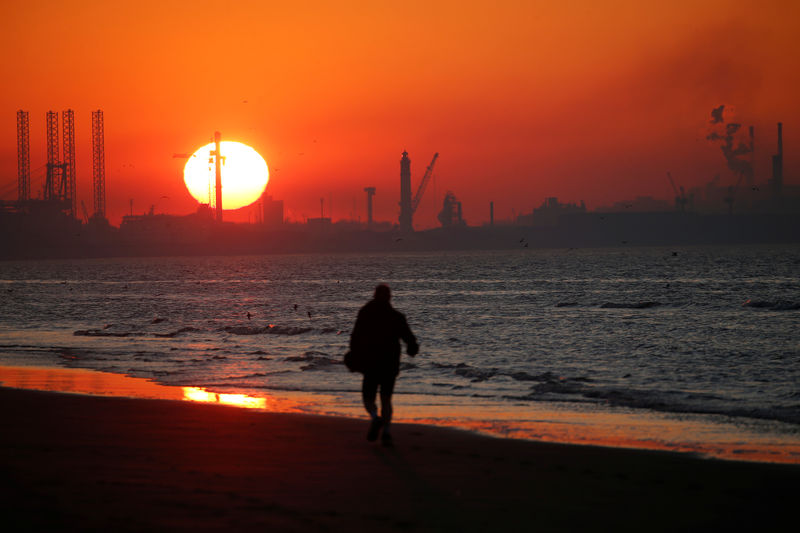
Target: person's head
(383, 293)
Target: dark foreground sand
(81, 463)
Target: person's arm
(412, 346)
(357, 335)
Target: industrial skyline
(60, 181)
(523, 101)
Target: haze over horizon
(593, 102)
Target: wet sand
(79, 463)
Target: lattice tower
(98, 165)
(68, 129)
(53, 179)
(23, 156)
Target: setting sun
(244, 175)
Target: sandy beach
(80, 463)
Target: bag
(356, 361)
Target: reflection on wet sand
(80, 381)
(197, 394)
(540, 422)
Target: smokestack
(777, 164)
(751, 178)
(370, 193)
(491, 213)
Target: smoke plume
(732, 148)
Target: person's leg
(387, 389)
(369, 390)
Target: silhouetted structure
(370, 193)
(549, 213)
(273, 211)
(98, 165)
(491, 213)
(407, 205)
(217, 155)
(777, 164)
(450, 215)
(405, 194)
(70, 188)
(681, 200)
(23, 156)
(55, 184)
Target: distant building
(152, 228)
(641, 204)
(273, 211)
(549, 212)
(319, 223)
(451, 215)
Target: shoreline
(80, 462)
(699, 435)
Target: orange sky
(522, 100)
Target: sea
(689, 349)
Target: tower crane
(424, 183)
(680, 197)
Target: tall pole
(218, 168)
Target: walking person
(375, 340)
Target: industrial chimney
(777, 164)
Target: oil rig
(57, 197)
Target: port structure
(408, 205)
(23, 156)
(98, 165)
(777, 165)
(216, 154)
(55, 183)
(69, 185)
(370, 193)
(680, 196)
(60, 181)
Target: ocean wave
(315, 360)
(629, 305)
(576, 389)
(100, 333)
(777, 305)
(265, 330)
(175, 333)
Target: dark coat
(377, 333)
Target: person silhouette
(376, 336)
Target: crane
(85, 212)
(424, 183)
(680, 197)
